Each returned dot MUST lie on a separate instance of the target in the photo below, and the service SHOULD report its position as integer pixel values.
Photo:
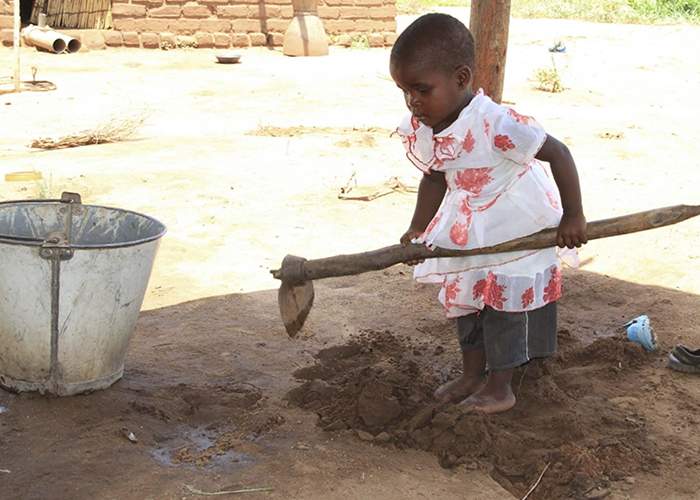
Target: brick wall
(229, 23)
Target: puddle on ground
(199, 447)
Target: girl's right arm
(431, 191)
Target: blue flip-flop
(558, 47)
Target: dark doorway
(25, 10)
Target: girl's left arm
(572, 228)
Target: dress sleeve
(514, 136)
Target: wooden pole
(488, 22)
(15, 41)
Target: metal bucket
(72, 282)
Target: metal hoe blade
(295, 303)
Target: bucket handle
(55, 239)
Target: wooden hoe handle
(297, 270)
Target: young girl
(482, 185)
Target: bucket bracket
(56, 248)
(68, 197)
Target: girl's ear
(464, 77)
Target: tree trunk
(488, 23)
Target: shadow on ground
(210, 393)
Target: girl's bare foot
(473, 364)
(458, 389)
(480, 403)
(496, 396)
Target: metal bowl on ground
(228, 57)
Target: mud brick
(128, 10)
(344, 40)
(168, 40)
(371, 25)
(6, 38)
(389, 25)
(193, 9)
(184, 26)
(339, 25)
(277, 24)
(6, 22)
(390, 38)
(131, 39)
(353, 12)
(155, 25)
(126, 24)
(166, 11)
(149, 3)
(245, 25)
(222, 40)
(93, 39)
(113, 38)
(370, 2)
(215, 25)
(214, 2)
(376, 40)
(186, 41)
(340, 2)
(258, 39)
(275, 39)
(283, 11)
(328, 12)
(204, 40)
(240, 40)
(150, 40)
(234, 11)
(386, 12)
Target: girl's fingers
(414, 262)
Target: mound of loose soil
(570, 412)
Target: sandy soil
(244, 164)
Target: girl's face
(434, 96)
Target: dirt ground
(244, 164)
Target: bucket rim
(37, 242)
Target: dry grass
(112, 131)
(602, 11)
(548, 79)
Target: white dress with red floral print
(496, 191)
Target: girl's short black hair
(435, 39)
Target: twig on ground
(112, 131)
(28, 86)
(226, 492)
(537, 483)
(393, 185)
(5, 471)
